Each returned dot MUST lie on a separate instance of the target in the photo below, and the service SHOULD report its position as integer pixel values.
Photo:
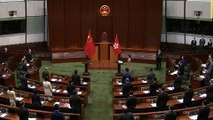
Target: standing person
(12, 96)
(131, 101)
(45, 73)
(23, 112)
(70, 88)
(188, 95)
(159, 56)
(162, 99)
(209, 45)
(76, 78)
(126, 115)
(203, 113)
(57, 115)
(154, 87)
(194, 44)
(209, 92)
(125, 75)
(47, 88)
(36, 100)
(170, 115)
(75, 102)
(128, 62)
(202, 43)
(127, 88)
(23, 81)
(29, 56)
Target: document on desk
(65, 92)
(144, 81)
(79, 92)
(170, 88)
(119, 83)
(121, 93)
(56, 103)
(84, 83)
(19, 98)
(32, 118)
(57, 91)
(3, 115)
(53, 79)
(153, 104)
(146, 91)
(203, 95)
(193, 117)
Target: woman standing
(12, 96)
(47, 88)
(128, 62)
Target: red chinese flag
(89, 48)
(116, 46)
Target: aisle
(100, 97)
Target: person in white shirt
(47, 88)
(12, 96)
(128, 62)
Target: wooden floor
(103, 64)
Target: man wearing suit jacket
(29, 56)
(154, 87)
(57, 115)
(23, 112)
(151, 76)
(126, 115)
(125, 75)
(178, 82)
(36, 100)
(203, 112)
(187, 99)
(209, 92)
(127, 88)
(131, 102)
(45, 73)
(75, 102)
(70, 88)
(162, 99)
(23, 81)
(170, 115)
(76, 78)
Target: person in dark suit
(36, 100)
(182, 64)
(70, 88)
(75, 102)
(6, 55)
(127, 88)
(209, 73)
(187, 99)
(154, 87)
(203, 113)
(162, 99)
(170, 115)
(29, 56)
(76, 78)
(126, 115)
(209, 92)
(209, 45)
(178, 82)
(23, 81)
(23, 112)
(57, 115)
(150, 77)
(125, 75)
(194, 44)
(159, 56)
(45, 73)
(131, 102)
(202, 43)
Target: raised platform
(104, 64)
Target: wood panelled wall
(137, 23)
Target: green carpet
(100, 97)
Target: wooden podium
(104, 51)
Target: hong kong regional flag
(89, 47)
(116, 46)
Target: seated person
(188, 95)
(23, 112)
(23, 81)
(57, 115)
(126, 115)
(162, 99)
(170, 115)
(150, 77)
(182, 64)
(125, 75)
(127, 88)
(186, 72)
(154, 87)
(75, 102)
(203, 113)
(131, 102)
(76, 78)
(70, 88)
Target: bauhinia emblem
(104, 10)
(115, 46)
